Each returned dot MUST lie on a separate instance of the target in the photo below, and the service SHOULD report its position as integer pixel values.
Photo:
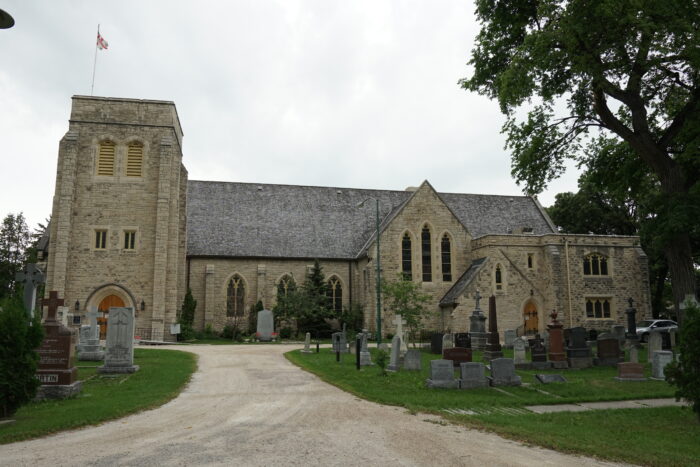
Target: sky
(357, 94)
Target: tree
(189, 305)
(18, 357)
(685, 373)
(253, 317)
(628, 70)
(404, 298)
(315, 307)
(15, 239)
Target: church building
(129, 229)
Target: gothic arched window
(499, 277)
(446, 254)
(235, 296)
(335, 294)
(595, 264)
(425, 255)
(286, 285)
(406, 262)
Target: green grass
(163, 374)
(606, 434)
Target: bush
(382, 357)
(685, 373)
(285, 332)
(232, 332)
(186, 332)
(18, 357)
(186, 318)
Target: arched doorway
(530, 316)
(103, 308)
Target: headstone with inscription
(519, 353)
(655, 342)
(395, 357)
(477, 325)
(555, 342)
(462, 340)
(365, 356)
(447, 341)
(56, 370)
(628, 371)
(609, 353)
(442, 375)
(458, 355)
(412, 360)
(472, 375)
(436, 343)
(339, 344)
(659, 360)
(266, 326)
(503, 373)
(90, 350)
(493, 347)
(119, 357)
(578, 355)
(509, 336)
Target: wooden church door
(531, 318)
(104, 306)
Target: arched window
(406, 262)
(499, 277)
(595, 265)
(425, 255)
(105, 159)
(235, 296)
(286, 285)
(598, 308)
(134, 160)
(335, 295)
(446, 254)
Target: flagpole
(94, 63)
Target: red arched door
(104, 306)
(532, 324)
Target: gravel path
(247, 405)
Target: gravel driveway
(247, 405)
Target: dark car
(648, 325)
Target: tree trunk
(680, 263)
(657, 298)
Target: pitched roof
(291, 221)
(458, 288)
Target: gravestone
(447, 341)
(493, 348)
(395, 359)
(458, 355)
(442, 375)
(618, 331)
(90, 350)
(412, 360)
(503, 373)
(609, 353)
(84, 334)
(634, 354)
(31, 277)
(556, 342)
(578, 355)
(509, 336)
(307, 344)
(399, 322)
(56, 369)
(631, 313)
(265, 326)
(462, 340)
(655, 342)
(538, 354)
(472, 375)
(365, 356)
(477, 326)
(628, 371)
(660, 359)
(436, 343)
(673, 337)
(119, 357)
(339, 344)
(519, 354)
(547, 379)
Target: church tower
(117, 231)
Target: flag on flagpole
(101, 42)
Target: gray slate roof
(452, 295)
(291, 221)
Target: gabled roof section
(291, 221)
(462, 283)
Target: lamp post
(379, 273)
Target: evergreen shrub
(685, 372)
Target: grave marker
(395, 359)
(31, 277)
(509, 336)
(655, 342)
(90, 350)
(628, 371)
(442, 375)
(477, 326)
(458, 355)
(412, 360)
(266, 326)
(119, 357)
(578, 355)
(660, 359)
(399, 322)
(365, 356)
(556, 342)
(503, 373)
(472, 375)
(608, 350)
(493, 348)
(307, 343)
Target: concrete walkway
(584, 406)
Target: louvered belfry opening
(105, 159)
(134, 160)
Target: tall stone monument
(556, 342)
(399, 322)
(265, 326)
(89, 348)
(395, 359)
(477, 325)
(31, 277)
(120, 342)
(493, 348)
(56, 371)
(365, 356)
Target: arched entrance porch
(106, 297)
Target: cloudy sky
(358, 94)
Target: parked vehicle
(648, 325)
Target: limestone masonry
(129, 230)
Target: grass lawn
(163, 374)
(659, 436)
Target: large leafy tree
(405, 298)
(15, 239)
(623, 70)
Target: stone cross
(399, 322)
(477, 297)
(32, 278)
(53, 302)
